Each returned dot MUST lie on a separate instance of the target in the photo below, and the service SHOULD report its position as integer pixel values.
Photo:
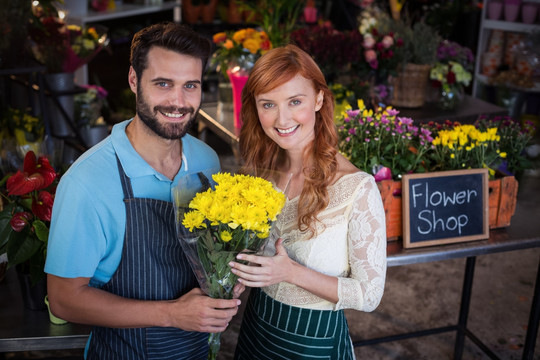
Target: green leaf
(5, 227)
(42, 231)
(21, 247)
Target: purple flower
(352, 131)
(406, 121)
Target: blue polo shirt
(89, 217)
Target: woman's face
(287, 113)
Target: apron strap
(125, 180)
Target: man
(113, 257)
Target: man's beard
(167, 131)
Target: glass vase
(450, 97)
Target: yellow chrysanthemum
(225, 236)
(194, 219)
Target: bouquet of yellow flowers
(242, 47)
(233, 216)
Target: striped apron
(153, 267)
(273, 330)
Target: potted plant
(451, 73)
(382, 143)
(417, 55)
(27, 198)
(88, 114)
(277, 18)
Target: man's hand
(195, 311)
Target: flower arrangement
(452, 51)
(235, 216)
(26, 129)
(242, 47)
(25, 218)
(514, 138)
(450, 78)
(61, 47)
(276, 17)
(466, 147)
(381, 143)
(379, 52)
(333, 50)
(382, 140)
(446, 75)
(88, 105)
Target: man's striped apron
(153, 267)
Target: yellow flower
(194, 219)
(93, 33)
(225, 236)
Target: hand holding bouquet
(234, 216)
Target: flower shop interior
(420, 87)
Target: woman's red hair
(258, 151)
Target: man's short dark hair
(171, 36)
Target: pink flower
(387, 41)
(370, 55)
(368, 42)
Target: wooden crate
(502, 204)
(391, 197)
(502, 201)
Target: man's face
(168, 92)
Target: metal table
(522, 234)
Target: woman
(331, 254)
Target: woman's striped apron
(273, 330)
(153, 267)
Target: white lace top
(352, 246)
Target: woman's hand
(263, 270)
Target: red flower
(37, 175)
(451, 77)
(42, 206)
(20, 220)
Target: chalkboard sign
(445, 207)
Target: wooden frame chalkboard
(445, 207)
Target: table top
(22, 329)
(466, 113)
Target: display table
(466, 113)
(22, 329)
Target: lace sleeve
(363, 288)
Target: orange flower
(228, 44)
(219, 37)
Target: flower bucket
(409, 88)
(502, 204)
(238, 81)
